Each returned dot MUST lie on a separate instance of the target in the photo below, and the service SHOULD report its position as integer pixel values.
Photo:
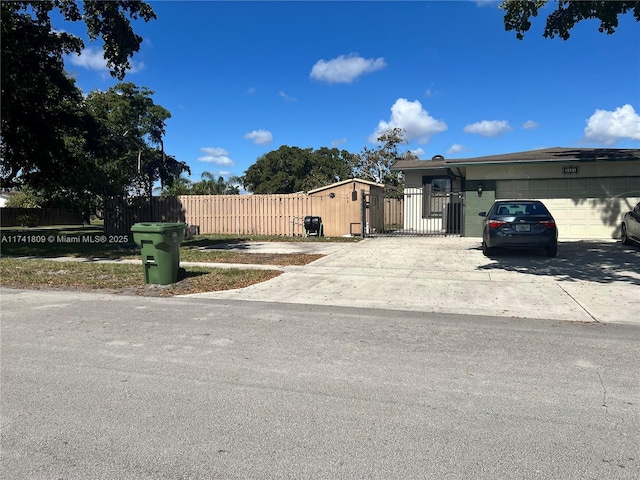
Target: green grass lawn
(89, 242)
(120, 277)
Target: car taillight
(548, 223)
(496, 223)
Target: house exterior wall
(553, 170)
(414, 218)
(475, 203)
(589, 200)
(588, 203)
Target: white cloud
(489, 128)
(135, 67)
(260, 137)
(93, 59)
(216, 155)
(410, 116)
(338, 142)
(455, 148)
(418, 152)
(530, 125)
(609, 127)
(345, 69)
(90, 58)
(287, 97)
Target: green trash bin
(160, 248)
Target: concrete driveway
(588, 281)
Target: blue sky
(243, 78)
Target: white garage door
(584, 208)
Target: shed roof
(345, 182)
(556, 154)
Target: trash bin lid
(156, 227)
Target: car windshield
(521, 208)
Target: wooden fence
(277, 215)
(13, 217)
(247, 214)
(393, 212)
(120, 214)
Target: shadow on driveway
(593, 261)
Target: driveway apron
(587, 282)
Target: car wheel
(552, 251)
(623, 236)
(486, 250)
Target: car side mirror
(482, 214)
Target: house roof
(344, 182)
(556, 154)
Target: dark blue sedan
(519, 224)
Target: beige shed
(340, 206)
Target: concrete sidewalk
(587, 282)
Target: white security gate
(416, 211)
(584, 208)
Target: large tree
(567, 13)
(374, 164)
(293, 169)
(126, 141)
(41, 107)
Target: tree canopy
(374, 164)
(125, 140)
(293, 169)
(566, 15)
(46, 131)
(208, 185)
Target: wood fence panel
(237, 214)
(393, 211)
(121, 214)
(11, 217)
(245, 214)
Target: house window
(435, 195)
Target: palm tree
(209, 185)
(180, 186)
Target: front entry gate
(416, 212)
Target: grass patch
(121, 277)
(214, 256)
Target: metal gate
(418, 211)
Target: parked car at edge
(519, 224)
(630, 228)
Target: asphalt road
(98, 386)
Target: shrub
(28, 220)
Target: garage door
(584, 208)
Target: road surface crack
(604, 391)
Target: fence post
(363, 213)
